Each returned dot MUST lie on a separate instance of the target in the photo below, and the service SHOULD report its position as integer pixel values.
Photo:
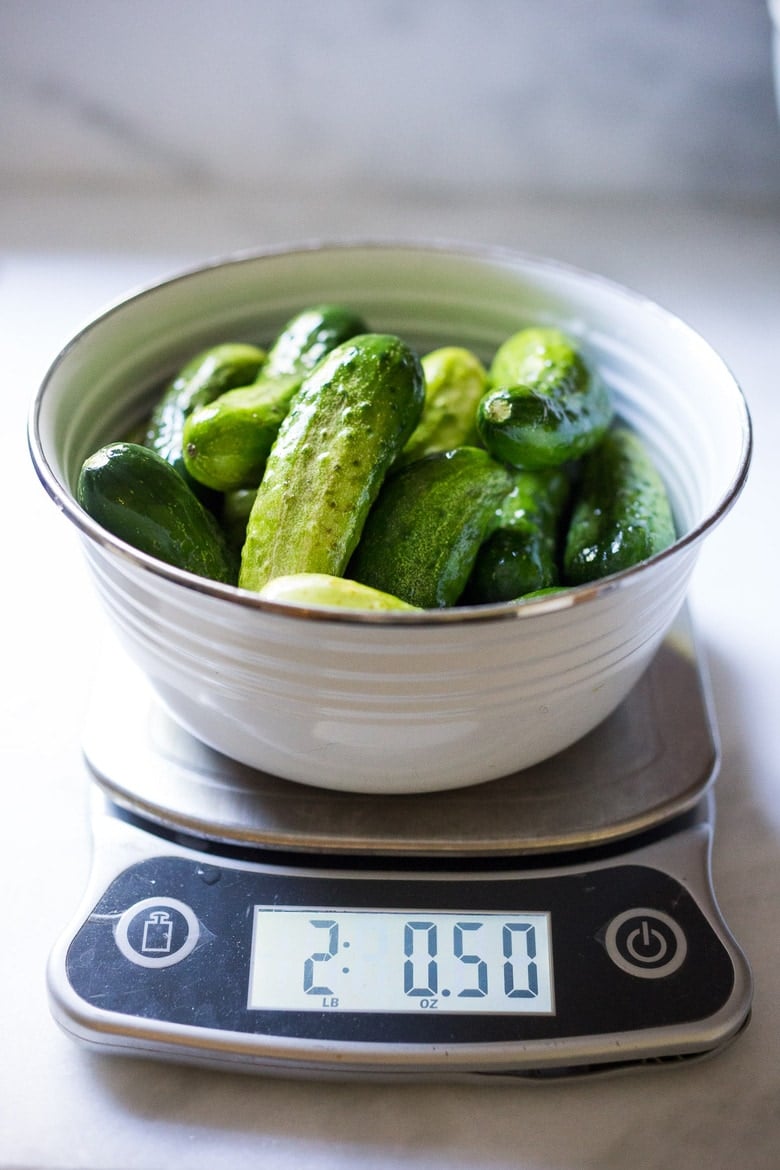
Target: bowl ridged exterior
(396, 703)
(345, 705)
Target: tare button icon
(157, 932)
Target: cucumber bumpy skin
(455, 381)
(621, 515)
(422, 535)
(545, 407)
(226, 442)
(521, 555)
(134, 493)
(347, 424)
(204, 378)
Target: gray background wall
(660, 98)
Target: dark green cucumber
(455, 381)
(308, 337)
(423, 534)
(522, 554)
(545, 407)
(135, 494)
(621, 514)
(346, 426)
(226, 443)
(211, 373)
(234, 515)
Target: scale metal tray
(651, 761)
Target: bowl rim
(520, 608)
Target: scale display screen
(310, 959)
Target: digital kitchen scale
(556, 922)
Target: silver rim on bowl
(497, 612)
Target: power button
(646, 943)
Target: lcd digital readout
(311, 959)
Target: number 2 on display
(421, 960)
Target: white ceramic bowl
(399, 702)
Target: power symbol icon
(646, 943)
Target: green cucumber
(138, 496)
(321, 589)
(455, 381)
(226, 443)
(206, 376)
(234, 515)
(545, 407)
(521, 555)
(347, 424)
(422, 536)
(549, 591)
(621, 514)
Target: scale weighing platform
(557, 922)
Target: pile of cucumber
(340, 468)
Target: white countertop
(60, 262)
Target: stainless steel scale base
(634, 796)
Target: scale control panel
(490, 970)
